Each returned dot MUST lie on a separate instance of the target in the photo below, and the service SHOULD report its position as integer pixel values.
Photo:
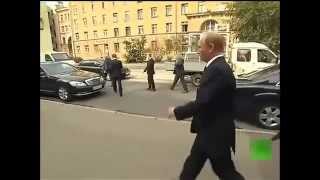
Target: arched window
(208, 25)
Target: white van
(54, 56)
(251, 56)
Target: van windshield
(61, 56)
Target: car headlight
(101, 79)
(77, 84)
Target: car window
(244, 55)
(47, 58)
(266, 73)
(266, 56)
(192, 57)
(60, 56)
(58, 68)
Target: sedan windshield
(58, 68)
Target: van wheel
(196, 79)
(64, 94)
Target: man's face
(204, 51)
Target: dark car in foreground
(66, 81)
(258, 97)
(96, 66)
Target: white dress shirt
(214, 58)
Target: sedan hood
(77, 76)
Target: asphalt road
(137, 100)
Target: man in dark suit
(213, 116)
(150, 71)
(106, 67)
(179, 73)
(116, 73)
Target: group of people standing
(178, 71)
(113, 68)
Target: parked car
(258, 97)
(67, 81)
(96, 66)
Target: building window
(104, 19)
(61, 18)
(64, 40)
(91, 5)
(184, 26)
(105, 33)
(94, 22)
(67, 30)
(128, 31)
(116, 47)
(153, 12)
(95, 34)
(115, 17)
(75, 11)
(201, 6)
(140, 14)
(140, 30)
(96, 48)
(106, 49)
(168, 27)
(208, 25)
(86, 36)
(86, 48)
(126, 16)
(184, 8)
(168, 10)
(68, 17)
(62, 28)
(154, 28)
(102, 5)
(65, 17)
(78, 49)
(85, 21)
(83, 9)
(77, 36)
(116, 32)
(154, 45)
(113, 3)
(75, 23)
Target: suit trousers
(114, 85)
(151, 82)
(221, 164)
(176, 79)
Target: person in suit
(116, 73)
(106, 67)
(213, 114)
(150, 71)
(179, 73)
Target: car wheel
(268, 115)
(64, 94)
(196, 79)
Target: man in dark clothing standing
(150, 71)
(213, 114)
(106, 67)
(179, 73)
(116, 73)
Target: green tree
(135, 51)
(257, 21)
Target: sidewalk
(88, 143)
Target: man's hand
(171, 113)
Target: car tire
(267, 115)
(64, 94)
(196, 79)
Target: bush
(158, 58)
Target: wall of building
(45, 34)
(101, 45)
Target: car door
(44, 81)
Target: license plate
(97, 87)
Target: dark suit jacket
(107, 65)
(150, 67)
(115, 69)
(212, 111)
(179, 69)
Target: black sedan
(67, 81)
(96, 66)
(258, 97)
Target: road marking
(150, 117)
